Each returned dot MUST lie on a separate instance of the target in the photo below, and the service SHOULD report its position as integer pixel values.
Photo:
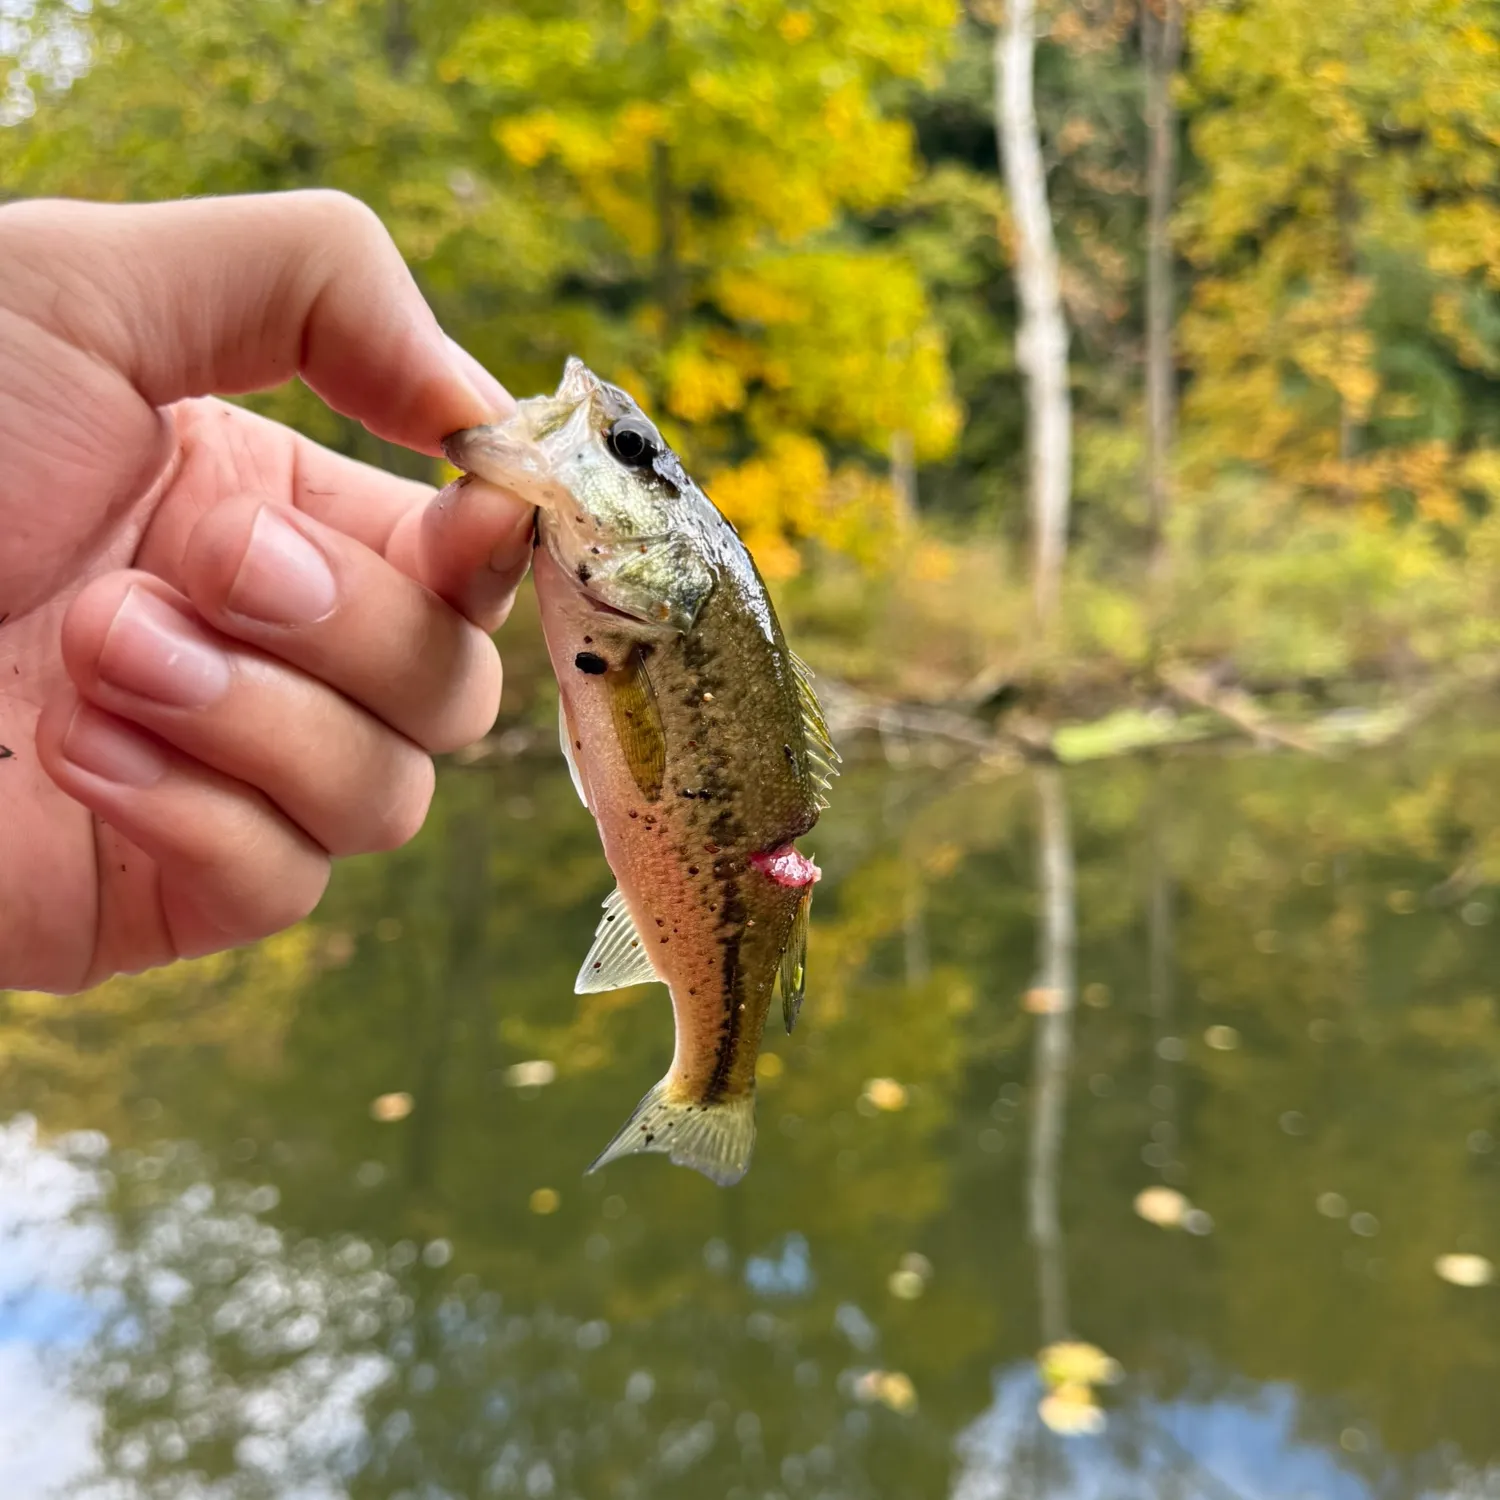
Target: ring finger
(137, 649)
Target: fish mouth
(497, 454)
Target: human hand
(225, 652)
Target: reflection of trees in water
(235, 1360)
(1054, 1049)
(434, 970)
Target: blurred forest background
(792, 231)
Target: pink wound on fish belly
(787, 866)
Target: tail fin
(715, 1139)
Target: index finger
(227, 295)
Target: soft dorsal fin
(794, 964)
(822, 759)
(618, 957)
(565, 739)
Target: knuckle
(399, 817)
(468, 714)
(345, 213)
(285, 901)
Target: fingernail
(490, 392)
(105, 747)
(154, 651)
(283, 579)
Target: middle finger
(136, 648)
(325, 603)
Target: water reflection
(232, 1268)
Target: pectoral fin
(565, 739)
(794, 963)
(637, 721)
(618, 957)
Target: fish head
(613, 501)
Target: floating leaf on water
(1222, 1038)
(906, 1285)
(1070, 1411)
(389, 1108)
(338, 948)
(1041, 1001)
(889, 1387)
(1195, 1221)
(1076, 1363)
(1465, 1270)
(885, 1093)
(532, 1074)
(1162, 1206)
(544, 1201)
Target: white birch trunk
(1042, 340)
(1162, 38)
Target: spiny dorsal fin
(637, 720)
(618, 957)
(715, 1139)
(794, 964)
(822, 759)
(565, 739)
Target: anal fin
(715, 1139)
(618, 957)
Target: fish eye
(634, 441)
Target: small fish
(693, 735)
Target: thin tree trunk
(668, 267)
(1054, 1051)
(1161, 36)
(1042, 339)
(904, 479)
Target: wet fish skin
(695, 739)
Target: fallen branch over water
(850, 711)
(1238, 708)
(1216, 713)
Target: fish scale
(693, 735)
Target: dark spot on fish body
(588, 640)
(583, 573)
(692, 869)
(590, 662)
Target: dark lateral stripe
(732, 915)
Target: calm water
(222, 1276)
